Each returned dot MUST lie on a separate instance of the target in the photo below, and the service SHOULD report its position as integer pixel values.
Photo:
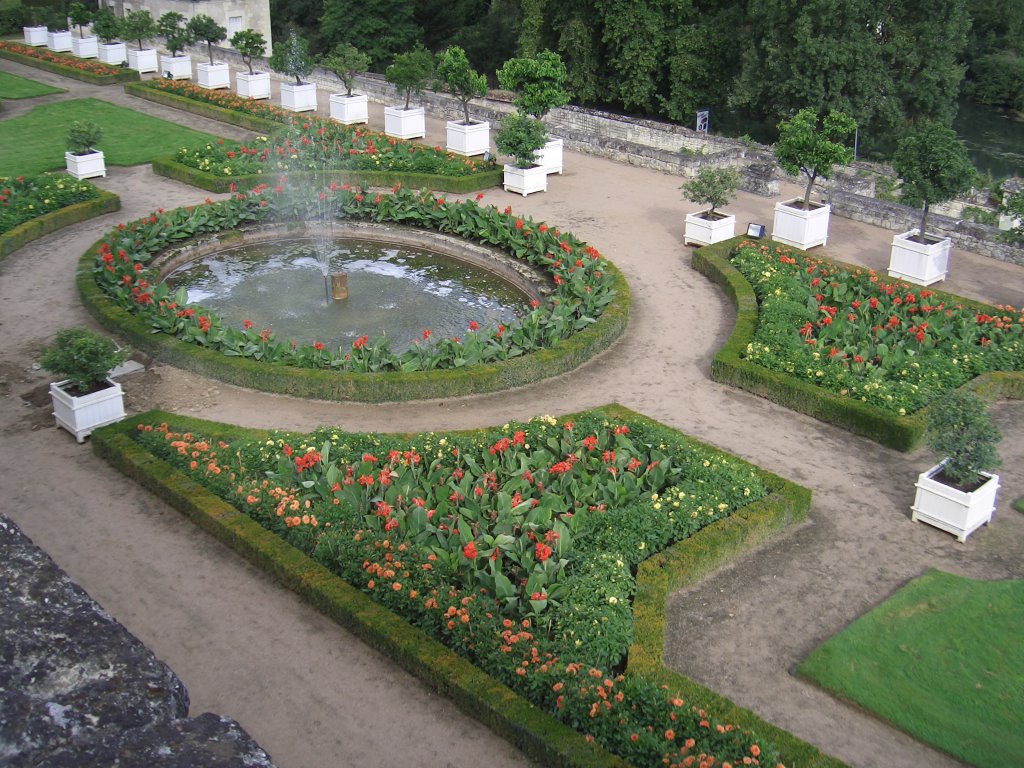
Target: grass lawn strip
(15, 87)
(36, 141)
(941, 659)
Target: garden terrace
(65, 64)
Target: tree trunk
(209, 50)
(807, 192)
(465, 110)
(924, 218)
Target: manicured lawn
(35, 142)
(941, 659)
(14, 87)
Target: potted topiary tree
(82, 159)
(86, 398)
(959, 493)
(539, 85)
(203, 29)
(453, 71)
(409, 73)
(177, 65)
(108, 29)
(713, 187)
(521, 137)
(346, 61)
(292, 58)
(84, 47)
(139, 26)
(251, 44)
(806, 147)
(934, 167)
(58, 36)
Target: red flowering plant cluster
(894, 345)
(225, 99)
(23, 198)
(487, 541)
(583, 286)
(62, 59)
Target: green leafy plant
(960, 432)
(203, 28)
(410, 72)
(176, 35)
(521, 136)
(713, 187)
(139, 26)
(805, 147)
(538, 81)
(454, 72)
(346, 61)
(107, 26)
(292, 58)
(79, 15)
(1014, 207)
(83, 357)
(934, 166)
(82, 136)
(249, 45)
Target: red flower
(470, 551)
(542, 551)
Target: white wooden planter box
(114, 54)
(469, 139)
(35, 35)
(298, 98)
(81, 415)
(405, 123)
(525, 180)
(85, 47)
(179, 67)
(254, 86)
(85, 166)
(144, 60)
(550, 156)
(921, 263)
(951, 509)
(707, 231)
(213, 76)
(350, 110)
(799, 228)
(58, 41)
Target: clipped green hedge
(122, 76)
(203, 109)
(728, 366)
(10, 241)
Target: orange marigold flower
(670, 735)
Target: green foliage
(249, 44)
(346, 61)
(79, 14)
(538, 82)
(203, 28)
(82, 356)
(1014, 208)
(934, 167)
(521, 136)
(410, 72)
(452, 70)
(171, 27)
(139, 26)
(292, 58)
(998, 79)
(82, 136)
(805, 147)
(107, 26)
(712, 186)
(26, 198)
(634, 38)
(380, 28)
(960, 431)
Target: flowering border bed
(87, 70)
(730, 366)
(587, 311)
(528, 727)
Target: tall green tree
(634, 47)
(579, 45)
(379, 28)
(812, 147)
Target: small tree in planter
(521, 136)
(454, 72)
(250, 45)
(139, 26)
(79, 15)
(83, 47)
(107, 26)
(539, 84)
(176, 34)
(409, 73)
(204, 29)
(713, 187)
(83, 160)
(292, 58)
(346, 61)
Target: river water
(994, 138)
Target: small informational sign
(702, 120)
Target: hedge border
(904, 433)
(203, 109)
(506, 713)
(520, 371)
(25, 233)
(125, 75)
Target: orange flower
(670, 735)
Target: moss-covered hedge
(121, 76)
(903, 433)
(203, 109)
(22, 234)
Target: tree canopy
(811, 146)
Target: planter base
(798, 227)
(920, 263)
(144, 60)
(402, 123)
(176, 67)
(525, 180)
(114, 54)
(703, 231)
(950, 509)
(468, 140)
(35, 36)
(298, 98)
(88, 166)
(550, 156)
(85, 47)
(349, 110)
(213, 76)
(81, 415)
(254, 86)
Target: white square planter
(254, 86)
(85, 47)
(144, 60)
(405, 123)
(35, 35)
(85, 166)
(350, 110)
(921, 263)
(58, 41)
(799, 228)
(298, 98)
(525, 180)
(81, 415)
(178, 67)
(550, 156)
(213, 76)
(706, 231)
(951, 509)
(469, 139)
(114, 54)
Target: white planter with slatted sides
(706, 228)
(919, 260)
(114, 54)
(951, 509)
(350, 110)
(85, 47)
(176, 67)
(801, 227)
(143, 61)
(525, 181)
(298, 98)
(81, 414)
(59, 42)
(403, 123)
(468, 139)
(550, 156)
(35, 36)
(254, 86)
(213, 76)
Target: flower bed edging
(212, 111)
(25, 233)
(126, 75)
